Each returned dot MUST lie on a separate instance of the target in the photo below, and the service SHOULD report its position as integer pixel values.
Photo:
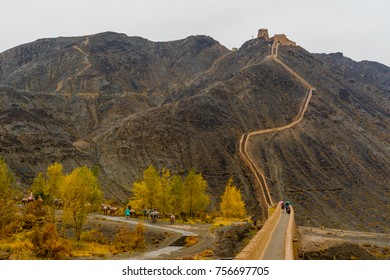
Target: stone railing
(291, 241)
(256, 246)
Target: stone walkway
(275, 246)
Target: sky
(359, 29)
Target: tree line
(80, 194)
(182, 195)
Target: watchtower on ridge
(263, 33)
(277, 38)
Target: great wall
(277, 239)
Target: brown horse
(172, 219)
(154, 215)
(105, 208)
(28, 199)
(112, 209)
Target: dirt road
(168, 250)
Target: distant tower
(263, 33)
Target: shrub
(190, 240)
(28, 221)
(126, 240)
(21, 250)
(94, 236)
(205, 255)
(47, 244)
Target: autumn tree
(39, 185)
(54, 175)
(80, 192)
(7, 210)
(166, 197)
(195, 198)
(170, 193)
(232, 205)
(147, 191)
(177, 193)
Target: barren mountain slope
(335, 165)
(122, 103)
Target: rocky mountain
(122, 103)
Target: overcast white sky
(358, 28)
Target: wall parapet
(291, 246)
(255, 247)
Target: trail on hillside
(86, 62)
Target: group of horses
(26, 200)
(108, 209)
(153, 215)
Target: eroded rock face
(122, 103)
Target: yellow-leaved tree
(7, 210)
(195, 198)
(80, 192)
(170, 194)
(54, 178)
(232, 205)
(166, 197)
(39, 185)
(147, 191)
(177, 194)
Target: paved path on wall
(275, 247)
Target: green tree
(7, 209)
(195, 198)
(80, 192)
(232, 205)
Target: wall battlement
(278, 38)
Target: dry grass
(207, 254)
(190, 240)
(92, 250)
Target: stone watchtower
(277, 38)
(263, 33)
